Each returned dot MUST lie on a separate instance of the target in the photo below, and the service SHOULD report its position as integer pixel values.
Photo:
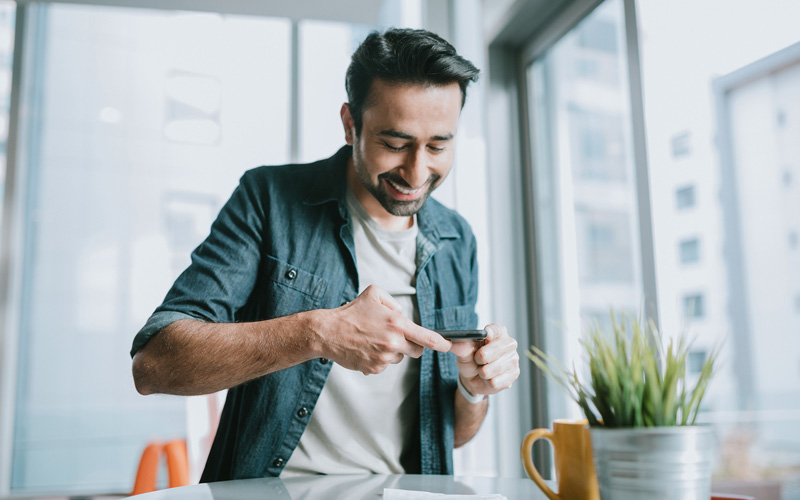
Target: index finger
(426, 338)
(383, 297)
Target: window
(780, 118)
(681, 146)
(685, 197)
(583, 190)
(325, 50)
(599, 140)
(143, 131)
(695, 361)
(733, 137)
(596, 51)
(600, 35)
(693, 306)
(689, 251)
(745, 129)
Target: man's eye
(393, 148)
(435, 149)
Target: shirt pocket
(292, 289)
(456, 318)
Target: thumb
(464, 351)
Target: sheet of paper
(393, 494)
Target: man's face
(405, 149)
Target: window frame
(11, 250)
(514, 43)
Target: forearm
(468, 418)
(191, 357)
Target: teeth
(402, 189)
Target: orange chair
(720, 496)
(177, 466)
(177, 463)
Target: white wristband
(469, 397)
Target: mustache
(396, 179)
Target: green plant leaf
(634, 380)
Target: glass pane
(325, 50)
(741, 154)
(684, 197)
(690, 251)
(585, 199)
(7, 20)
(146, 121)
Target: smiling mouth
(405, 190)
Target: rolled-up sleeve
(224, 267)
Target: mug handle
(525, 450)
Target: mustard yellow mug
(572, 447)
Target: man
(316, 275)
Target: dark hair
(404, 56)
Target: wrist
(472, 399)
(312, 328)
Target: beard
(400, 208)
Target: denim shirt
(282, 244)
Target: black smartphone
(462, 335)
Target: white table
(358, 487)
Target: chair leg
(148, 469)
(177, 463)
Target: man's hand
(370, 333)
(488, 366)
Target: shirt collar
(330, 182)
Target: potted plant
(641, 411)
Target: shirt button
(278, 462)
(324, 361)
(302, 412)
(291, 274)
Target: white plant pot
(654, 463)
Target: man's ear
(348, 124)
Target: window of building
(695, 361)
(689, 251)
(681, 145)
(793, 240)
(685, 197)
(693, 306)
(780, 118)
(787, 177)
(599, 141)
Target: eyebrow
(402, 135)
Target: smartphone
(462, 335)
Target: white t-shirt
(362, 423)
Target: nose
(415, 170)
